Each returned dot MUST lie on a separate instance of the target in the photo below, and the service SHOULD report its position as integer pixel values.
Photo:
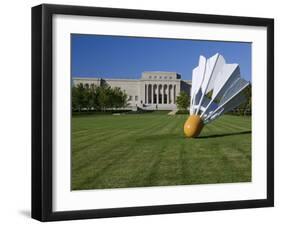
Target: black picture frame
(42, 111)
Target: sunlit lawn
(136, 150)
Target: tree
(118, 98)
(79, 97)
(97, 97)
(93, 100)
(123, 100)
(182, 101)
(246, 107)
(103, 97)
(87, 97)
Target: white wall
(15, 112)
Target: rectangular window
(136, 98)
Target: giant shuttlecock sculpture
(217, 88)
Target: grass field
(138, 150)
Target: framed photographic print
(145, 112)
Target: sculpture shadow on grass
(224, 134)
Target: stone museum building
(154, 90)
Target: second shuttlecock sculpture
(217, 87)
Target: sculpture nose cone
(193, 126)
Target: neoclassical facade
(154, 90)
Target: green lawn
(137, 150)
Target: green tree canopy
(79, 97)
(97, 97)
(182, 101)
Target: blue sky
(127, 57)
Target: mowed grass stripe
(112, 133)
(229, 159)
(167, 168)
(94, 171)
(236, 121)
(142, 173)
(111, 151)
(151, 150)
(133, 170)
(108, 150)
(93, 126)
(101, 148)
(224, 126)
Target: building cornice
(106, 79)
(131, 80)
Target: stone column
(172, 94)
(149, 93)
(145, 93)
(157, 94)
(163, 94)
(175, 91)
(169, 94)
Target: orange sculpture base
(193, 126)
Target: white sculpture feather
(216, 89)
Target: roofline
(165, 72)
(122, 79)
(114, 79)
(86, 78)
